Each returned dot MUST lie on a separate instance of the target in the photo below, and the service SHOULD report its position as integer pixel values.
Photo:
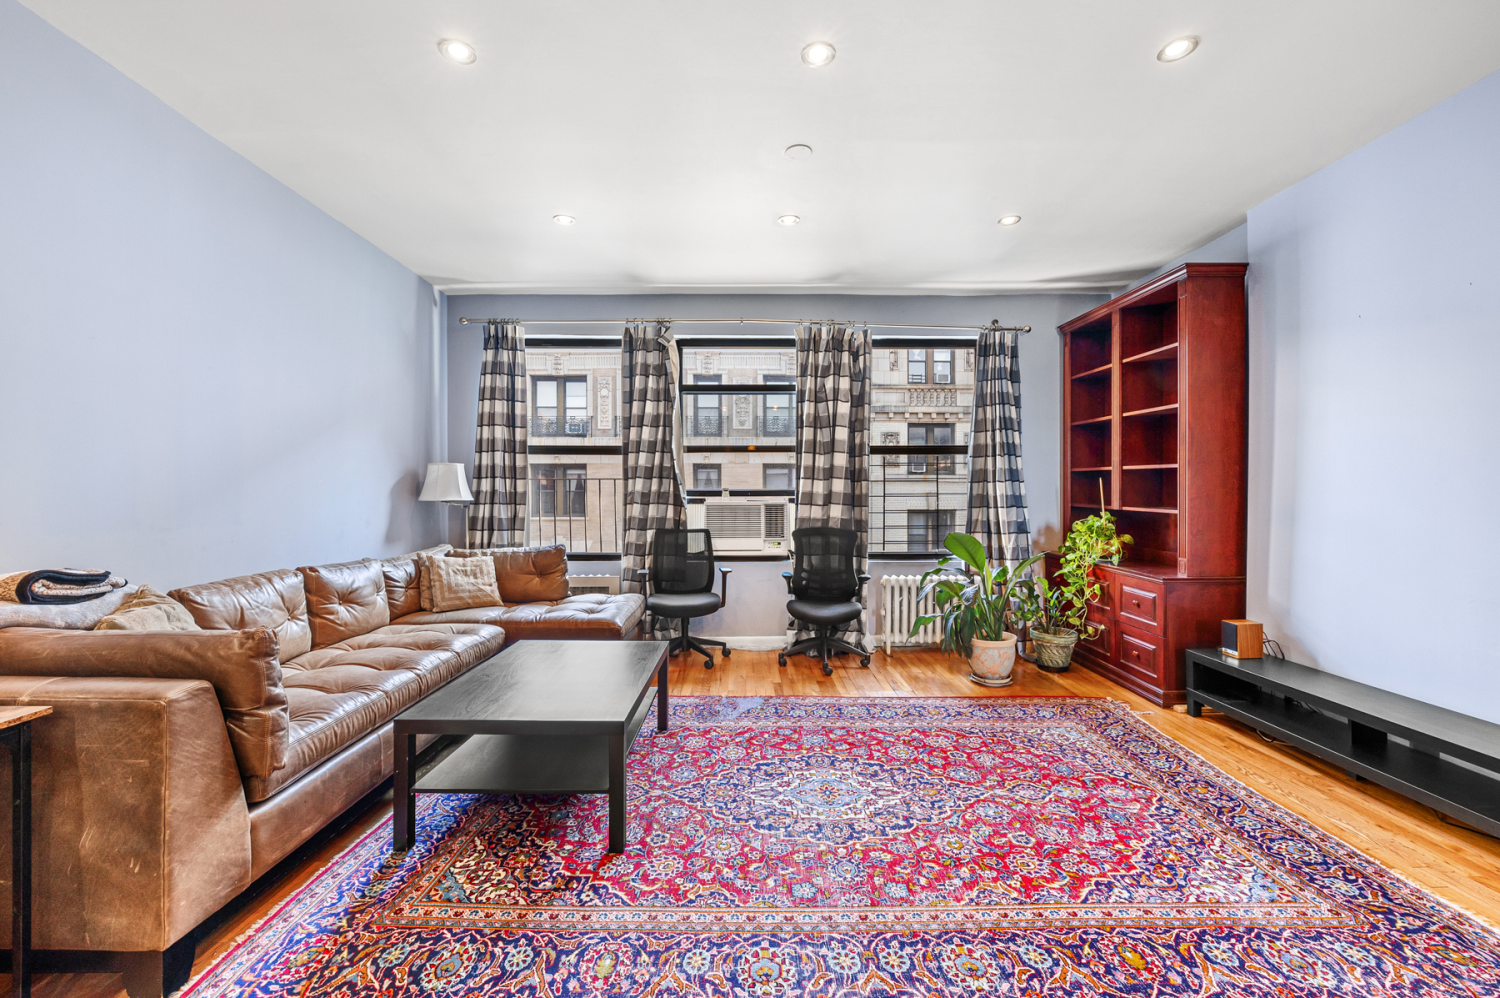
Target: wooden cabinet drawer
(1102, 645)
(1139, 653)
(1140, 603)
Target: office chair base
(824, 643)
(685, 642)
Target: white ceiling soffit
(660, 126)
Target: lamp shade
(445, 483)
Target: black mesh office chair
(827, 591)
(679, 585)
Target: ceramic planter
(1054, 650)
(993, 662)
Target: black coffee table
(546, 717)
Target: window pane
(942, 367)
(896, 491)
(575, 395)
(777, 476)
(576, 502)
(739, 420)
(706, 476)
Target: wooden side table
(15, 734)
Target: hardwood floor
(1454, 863)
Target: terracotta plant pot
(993, 662)
(1054, 650)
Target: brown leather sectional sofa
(179, 766)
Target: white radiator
(899, 606)
(580, 584)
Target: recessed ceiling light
(798, 151)
(457, 51)
(788, 219)
(564, 219)
(1178, 48)
(1010, 219)
(818, 53)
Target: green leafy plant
(1052, 607)
(976, 605)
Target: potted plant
(973, 608)
(1058, 612)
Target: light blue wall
(1374, 423)
(758, 591)
(201, 373)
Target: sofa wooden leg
(157, 975)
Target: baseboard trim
(766, 642)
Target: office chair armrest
(788, 577)
(646, 582)
(859, 593)
(724, 585)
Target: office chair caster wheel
(827, 670)
(865, 662)
(726, 652)
(708, 663)
(781, 659)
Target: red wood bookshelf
(1154, 411)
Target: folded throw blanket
(57, 585)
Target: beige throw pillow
(149, 610)
(458, 583)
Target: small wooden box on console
(1357, 727)
(1154, 430)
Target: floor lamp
(446, 483)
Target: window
(571, 418)
(942, 367)
(706, 476)
(739, 414)
(778, 476)
(573, 447)
(916, 367)
(778, 419)
(561, 490)
(930, 434)
(926, 529)
(707, 410)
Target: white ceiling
(661, 126)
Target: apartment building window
(707, 476)
(929, 367)
(708, 410)
(916, 367)
(930, 434)
(561, 490)
(926, 529)
(778, 476)
(778, 417)
(561, 408)
(942, 367)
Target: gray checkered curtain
(498, 516)
(997, 489)
(653, 492)
(833, 439)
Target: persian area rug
(871, 847)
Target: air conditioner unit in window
(747, 525)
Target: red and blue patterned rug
(803, 846)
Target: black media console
(1357, 727)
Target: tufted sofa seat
(178, 767)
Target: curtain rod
(995, 325)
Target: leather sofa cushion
(269, 599)
(590, 616)
(344, 600)
(339, 693)
(403, 592)
(242, 666)
(526, 575)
